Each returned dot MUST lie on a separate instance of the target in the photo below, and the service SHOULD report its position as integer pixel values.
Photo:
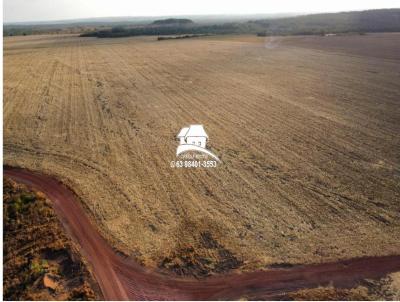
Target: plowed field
(308, 134)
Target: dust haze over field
(307, 131)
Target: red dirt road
(122, 279)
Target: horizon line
(293, 14)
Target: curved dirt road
(122, 279)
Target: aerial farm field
(307, 129)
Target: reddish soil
(122, 279)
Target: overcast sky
(44, 10)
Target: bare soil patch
(383, 46)
(208, 258)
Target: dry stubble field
(308, 130)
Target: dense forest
(172, 21)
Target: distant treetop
(172, 21)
